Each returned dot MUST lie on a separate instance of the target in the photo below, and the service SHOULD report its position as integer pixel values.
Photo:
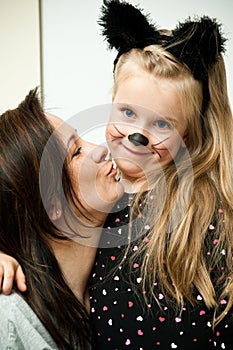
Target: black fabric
(121, 318)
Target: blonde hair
(180, 253)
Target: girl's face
(150, 108)
(93, 178)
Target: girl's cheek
(112, 132)
(108, 131)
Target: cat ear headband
(195, 43)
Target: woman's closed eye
(77, 152)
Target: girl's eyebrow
(168, 119)
(126, 105)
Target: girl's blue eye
(162, 124)
(128, 113)
(77, 152)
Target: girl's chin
(130, 169)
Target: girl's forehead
(159, 96)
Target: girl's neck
(133, 184)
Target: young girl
(48, 225)
(171, 287)
(171, 125)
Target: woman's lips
(111, 169)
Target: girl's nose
(99, 153)
(138, 139)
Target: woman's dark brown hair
(25, 225)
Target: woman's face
(93, 178)
(151, 108)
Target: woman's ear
(185, 142)
(55, 211)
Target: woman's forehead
(65, 131)
(54, 120)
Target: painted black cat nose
(138, 139)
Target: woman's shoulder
(11, 302)
(13, 306)
(20, 326)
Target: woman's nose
(99, 153)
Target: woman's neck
(76, 262)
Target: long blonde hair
(184, 253)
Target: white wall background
(19, 50)
(77, 67)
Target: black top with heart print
(121, 318)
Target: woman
(50, 225)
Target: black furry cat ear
(125, 27)
(198, 44)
